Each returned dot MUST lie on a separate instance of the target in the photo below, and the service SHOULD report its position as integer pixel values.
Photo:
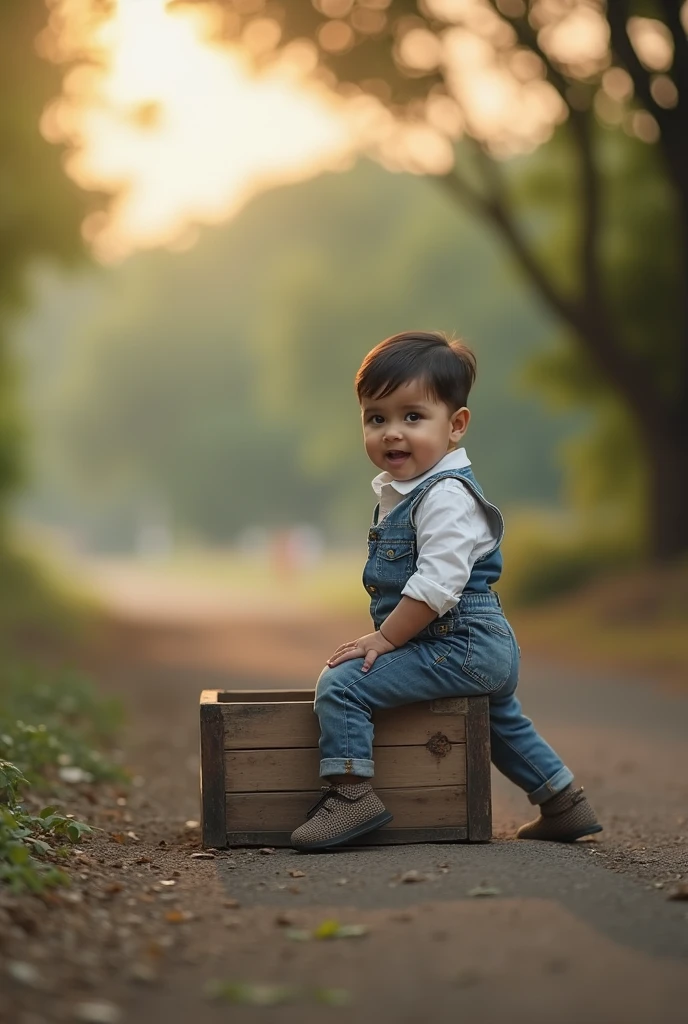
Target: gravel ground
(147, 925)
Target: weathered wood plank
(294, 724)
(213, 823)
(478, 780)
(297, 769)
(436, 806)
(262, 696)
(387, 836)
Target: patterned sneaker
(343, 812)
(563, 818)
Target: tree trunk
(667, 460)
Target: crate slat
(297, 769)
(272, 725)
(437, 806)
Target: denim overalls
(469, 650)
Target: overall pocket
(490, 653)
(394, 560)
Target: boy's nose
(392, 434)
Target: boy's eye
(413, 417)
(376, 419)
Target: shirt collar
(453, 460)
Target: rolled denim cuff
(347, 766)
(553, 786)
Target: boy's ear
(459, 424)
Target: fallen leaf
(679, 892)
(347, 931)
(284, 920)
(73, 775)
(412, 876)
(24, 973)
(116, 837)
(330, 929)
(98, 1013)
(296, 873)
(202, 856)
(484, 890)
(134, 838)
(191, 824)
(245, 994)
(267, 849)
(167, 881)
(178, 916)
(231, 904)
(143, 860)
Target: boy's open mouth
(396, 456)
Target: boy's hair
(447, 368)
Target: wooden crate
(260, 757)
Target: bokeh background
(211, 211)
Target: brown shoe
(563, 818)
(342, 813)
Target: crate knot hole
(438, 745)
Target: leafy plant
(49, 724)
(25, 839)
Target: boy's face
(407, 432)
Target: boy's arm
(449, 526)
(407, 619)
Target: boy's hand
(367, 647)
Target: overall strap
(469, 481)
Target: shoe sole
(353, 833)
(570, 837)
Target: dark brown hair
(447, 368)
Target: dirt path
(564, 936)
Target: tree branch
(579, 124)
(494, 209)
(588, 318)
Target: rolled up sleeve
(449, 525)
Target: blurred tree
(557, 70)
(40, 208)
(191, 383)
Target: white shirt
(452, 530)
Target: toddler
(433, 557)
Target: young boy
(433, 556)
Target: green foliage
(36, 600)
(27, 841)
(547, 554)
(40, 208)
(51, 722)
(50, 725)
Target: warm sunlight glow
(174, 123)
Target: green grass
(51, 721)
(39, 600)
(55, 728)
